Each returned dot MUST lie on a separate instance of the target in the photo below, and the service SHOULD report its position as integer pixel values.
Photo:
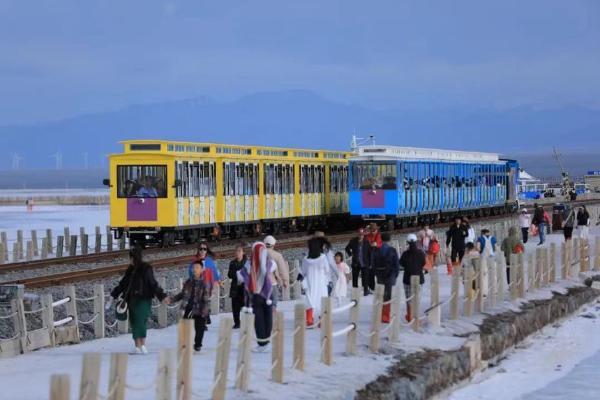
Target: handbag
(121, 308)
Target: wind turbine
(16, 161)
(59, 158)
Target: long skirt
(139, 312)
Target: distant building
(592, 180)
(530, 187)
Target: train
(402, 186)
(167, 192)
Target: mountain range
(298, 118)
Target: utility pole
(567, 184)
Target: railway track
(62, 278)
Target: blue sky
(65, 58)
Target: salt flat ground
(53, 217)
(317, 382)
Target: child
(340, 290)
(195, 300)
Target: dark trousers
(525, 234)
(199, 327)
(237, 302)
(263, 318)
(370, 278)
(360, 272)
(457, 254)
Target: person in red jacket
(374, 235)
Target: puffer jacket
(200, 302)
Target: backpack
(381, 263)
(434, 247)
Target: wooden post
(15, 255)
(415, 304)
(122, 242)
(277, 346)
(435, 314)
(456, 273)
(60, 242)
(468, 283)
(165, 374)
(520, 275)
(90, 376)
(243, 360)
(98, 246)
(500, 276)
(123, 326)
(299, 335)
(67, 235)
(514, 277)
(84, 244)
(531, 272)
(4, 240)
(117, 376)
(19, 321)
(184, 357)
(73, 246)
(48, 316)
(162, 311)
(575, 257)
(597, 252)
(584, 255)
(376, 318)
(227, 306)
(109, 239)
(326, 331)
(81, 234)
(29, 250)
(552, 272)
(49, 241)
(71, 307)
(44, 248)
(2, 252)
(396, 307)
(214, 300)
(99, 310)
(480, 281)
(34, 241)
(491, 265)
(60, 387)
(564, 256)
(222, 361)
(20, 244)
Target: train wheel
(168, 239)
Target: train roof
(382, 152)
(179, 148)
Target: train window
(141, 181)
(375, 175)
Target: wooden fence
(484, 288)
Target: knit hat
(411, 238)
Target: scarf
(257, 270)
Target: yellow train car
(167, 191)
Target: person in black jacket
(456, 236)
(358, 248)
(236, 292)
(137, 287)
(413, 262)
(386, 268)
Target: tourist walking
(413, 262)
(358, 248)
(486, 245)
(568, 223)
(213, 277)
(456, 238)
(282, 275)
(470, 231)
(340, 289)
(195, 302)
(257, 276)
(386, 267)
(539, 220)
(137, 288)
(315, 276)
(512, 244)
(236, 290)
(583, 223)
(524, 224)
(426, 239)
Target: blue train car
(401, 184)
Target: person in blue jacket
(205, 255)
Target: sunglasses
(203, 249)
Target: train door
(191, 193)
(268, 190)
(227, 192)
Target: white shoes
(144, 349)
(262, 349)
(138, 350)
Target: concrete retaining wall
(427, 373)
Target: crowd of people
(258, 278)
